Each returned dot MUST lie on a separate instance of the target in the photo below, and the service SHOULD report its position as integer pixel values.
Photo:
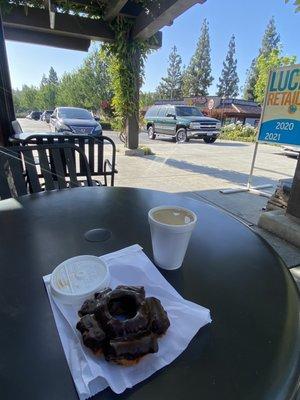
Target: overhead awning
(50, 26)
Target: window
(170, 110)
(188, 112)
(74, 113)
(162, 111)
(152, 112)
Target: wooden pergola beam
(148, 23)
(37, 20)
(34, 27)
(46, 39)
(113, 8)
(52, 11)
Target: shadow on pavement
(200, 141)
(229, 144)
(238, 178)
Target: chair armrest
(108, 163)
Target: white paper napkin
(91, 374)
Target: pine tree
(44, 80)
(53, 78)
(197, 78)
(270, 39)
(251, 78)
(270, 42)
(47, 94)
(170, 87)
(228, 81)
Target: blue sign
(280, 122)
(285, 131)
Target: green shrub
(244, 133)
(106, 125)
(116, 124)
(147, 151)
(21, 114)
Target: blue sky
(247, 19)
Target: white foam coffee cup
(171, 228)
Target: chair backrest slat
(5, 191)
(95, 146)
(70, 161)
(16, 169)
(91, 150)
(31, 171)
(81, 142)
(100, 157)
(19, 172)
(59, 168)
(46, 168)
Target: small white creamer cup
(169, 242)
(78, 278)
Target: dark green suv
(181, 122)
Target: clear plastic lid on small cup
(78, 278)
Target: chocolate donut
(127, 302)
(122, 350)
(92, 335)
(159, 321)
(89, 306)
(122, 323)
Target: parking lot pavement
(195, 167)
(200, 170)
(29, 125)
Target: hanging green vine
(92, 9)
(127, 58)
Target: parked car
(46, 116)
(74, 120)
(36, 115)
(182, 122)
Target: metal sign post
(280, 119)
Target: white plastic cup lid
(78, 278)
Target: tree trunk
(132, 128)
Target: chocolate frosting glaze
(122, 323)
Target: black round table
(249, 352)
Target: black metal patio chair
(16, 127)
(20, 174)
(93, 148)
